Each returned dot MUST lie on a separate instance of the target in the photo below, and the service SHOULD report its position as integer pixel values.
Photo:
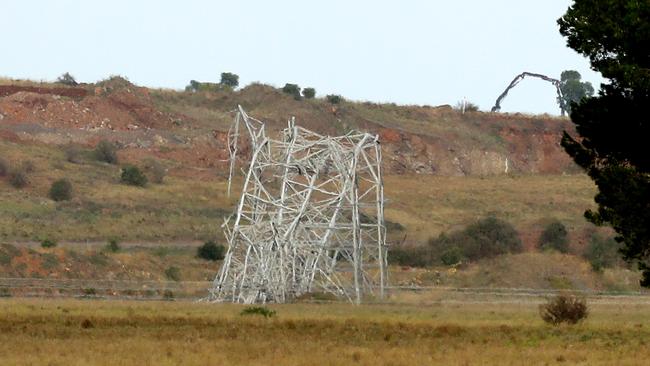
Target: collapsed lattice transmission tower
(310, 217)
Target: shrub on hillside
(602, 252)
(18, 177)
(292, 89)
(173, 273)
(155, 170)
(211, 251)
(133, 176)
(564, 308)
(67, 79)
(113, 245)
(554, 236)
(47, 243)
(485, 238)
(106, 151)
(334, 99)
(309, 93)
(229, 79)
(61, 190)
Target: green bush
(211, 251)
(452, 255)
(229, 79)
(113, 245)
(173, 273)
(258, 310)
(564, 308)
(61, 190)
(602, 252)
(334, 99)
(106, 151)
(133, 176)
(309, 93)
(485, 238)
(47, 243)
(292, 89)
(554, 236)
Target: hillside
(444, 170)
(457, 167)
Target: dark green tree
(574, 90)
(61, 190)
(292, 89)
(309, 93)
(613, 126)
(554, 236)
(229, 79)
(133, 176)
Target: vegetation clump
(113, 245)
(334, 98)
(258, 310)
(292, 89)
(173, 273)
(48, 243)
(602, 252)
(106, 152)
(612, 127)
(554, 236)
(133, 176)
(18, 177)
(564, 308)
(309, 93)
(211, 251)
(229, 79)
(61, 190)
(485, 238)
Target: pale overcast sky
(407, 52)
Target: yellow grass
(39, 332)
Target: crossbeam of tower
(310, 217)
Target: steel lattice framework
(310, 217)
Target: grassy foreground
(68, 332)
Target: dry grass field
(69, 332)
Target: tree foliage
(211, 251)
(61, 190)
(309, 93)
(229, 79)
(485, 238)
(613, 126)
(292, 89)
(133, 176)
(554, 236)
(574, 90)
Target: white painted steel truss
(310, 217)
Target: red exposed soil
(113, 109)
(6, 90)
